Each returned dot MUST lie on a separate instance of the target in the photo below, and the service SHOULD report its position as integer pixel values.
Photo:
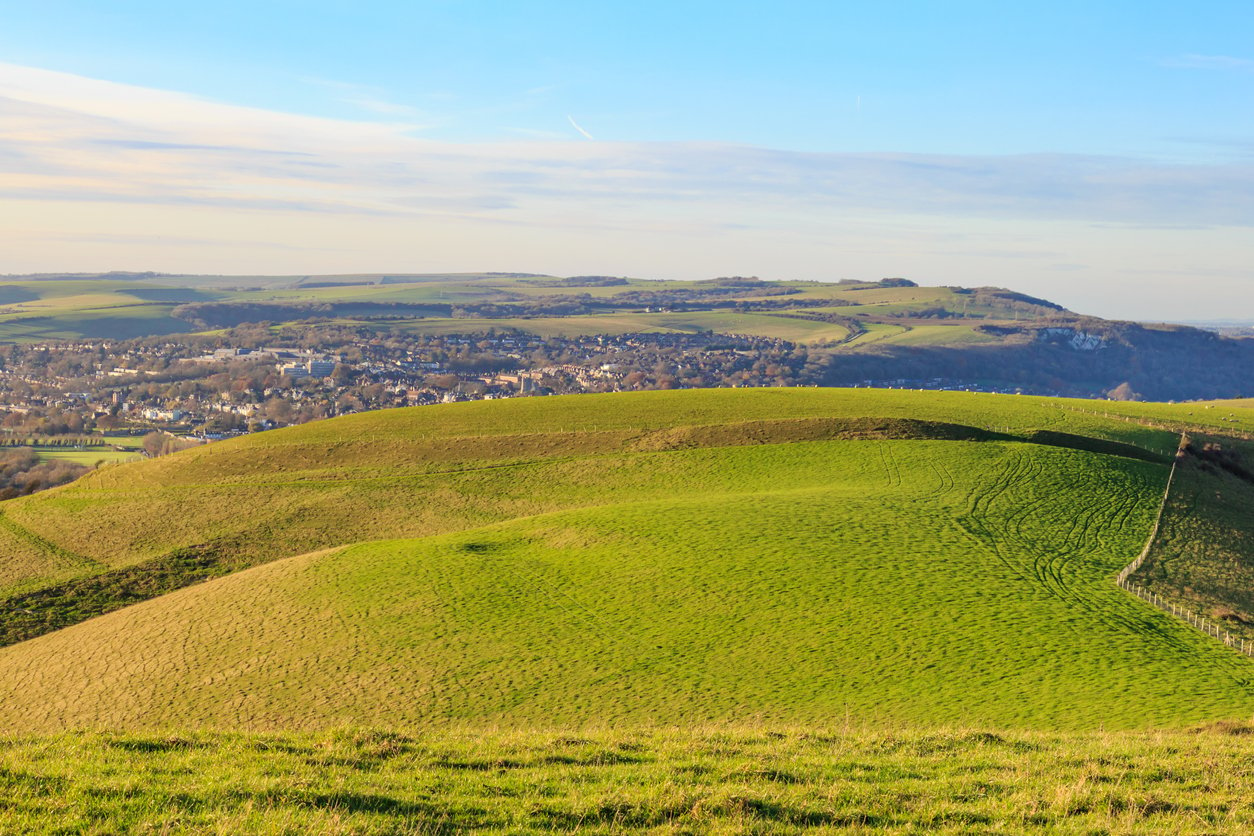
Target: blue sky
(1091, 152)
(938, 77)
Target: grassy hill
(788, 556)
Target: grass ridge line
(47, 546)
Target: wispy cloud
(1193, 61)
(91, 161)
(369, 99)
(577, 127)
(64, 135)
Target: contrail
(575, 125)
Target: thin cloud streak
(133, 142)
(89, 161)
(1192, 61)
(576, 126)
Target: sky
(1097, 154)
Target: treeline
(1009, 300)
(231, 314)
(157, 443)
(580, 281)
(59, 441)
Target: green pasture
(34, 311)
(1201, 558)
(119, 325)
(936, 335)
(783, 555)
(874, 332)
(88, 456)
(393, 473)
(871, 294)
(414, 293)
(741, 779)
(130, 442)
(772, 326)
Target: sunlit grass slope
(427, 470)
(893, 581)
(787, 555)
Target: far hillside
(891, 332)
(849, 313)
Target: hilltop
(670, 557)
(847, 313)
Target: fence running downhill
(1207, 626)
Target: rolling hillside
(788, 556)
(122, 306)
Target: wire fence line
(1206, 625)
(1155, 424)
(1195, 620)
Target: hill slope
(790, 555)
(416, 472)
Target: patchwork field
(126, 306)
(759, 325)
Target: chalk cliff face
(1077, 339)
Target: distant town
(153, 396)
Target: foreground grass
(723, 780)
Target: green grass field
(375, 475)
(786, 556)
(874, 332)
(729, 611)
(740, 779)
(88, 456)
(954, 335)
(102, 308)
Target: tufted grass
(746, 778)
